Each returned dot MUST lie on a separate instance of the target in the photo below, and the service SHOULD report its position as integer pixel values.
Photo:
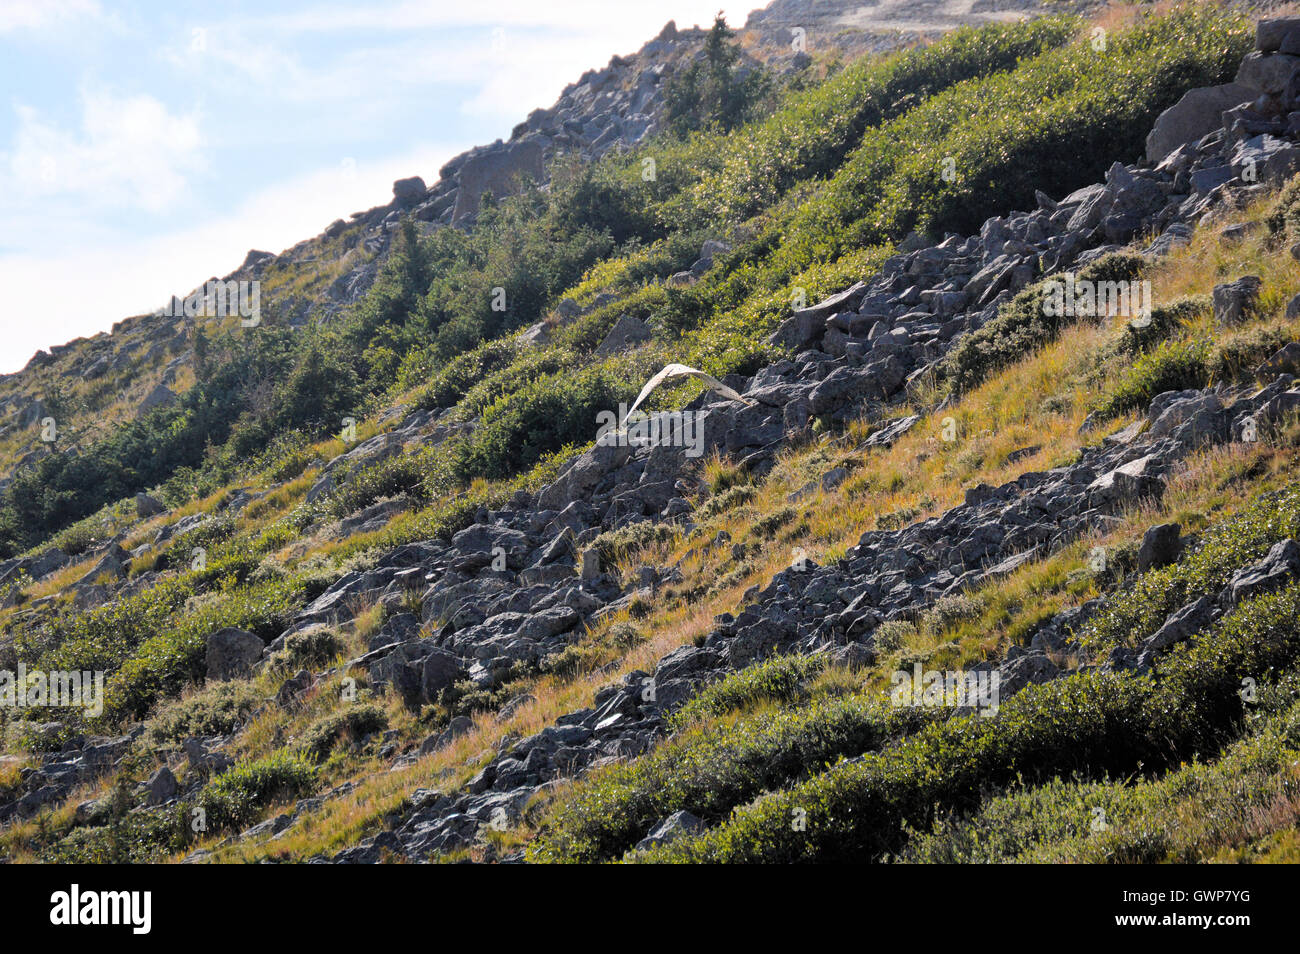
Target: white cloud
(40, 14)
(101, 279)
(575, 15)
(129, 151)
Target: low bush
(236, 797)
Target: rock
(1192, 418)
(681, 824)
(590, 564)
(497, 170)
(805, 327)
(1161, 545)
(478, 543)
(112, 563)
(1180, 624)
(292, 688)
(1025, 670)
(231, 653)
(161, 787)
(1265, 159)
(440, 670)
(1235, 301)
(160, 396)
(627, 333)
(1286, 360)
(1130, 482)
(409, 191)
(1267, 72)
(1278, 35)
(146, 506)
(1278, 567)
(1193, 116)
(833, 478)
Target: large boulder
(1278, 35)
(1193, 116)
(680, 824)
(439, 670)
(232, 653)
(409, 191)
(1277, 568)
(160, 396)
(147, 506)
(497, 171)
(1265, 159)
(1160, 546)
(627, 333)
(1234, 301)
(1268, 73)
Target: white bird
(682, 371)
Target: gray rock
(1286, 360)
(161, 787)
(1276, 569)
(1193, 116)
(1180, 624)
(681, 824)
(627, 333)
(409, 191)
(497, 170)
(805, 327)
(146, 506)
(440, 670)
(1161, 545)
(1235, 301)
(231, 653)
(1280, 34)
(1267, 72)
(160, 396)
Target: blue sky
(145, 147)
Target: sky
(147, 146)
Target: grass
(777, 726)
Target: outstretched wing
(683, 371)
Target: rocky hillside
(978, 543)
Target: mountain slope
(454, 633)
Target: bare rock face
(1193, 116)
(499, 172)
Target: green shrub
(1095, 724)
(710, 769)
(236, 797)
(311, 648)
(782, 679)
(1283, 219)
(614, 546)
(891, 635)
(397, 475)
(1166, 322)
(1172, 366)
(352, 723)
(216, 710)
(1139, 609)
(731, 498)
(450, 382)
(1023, 326)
